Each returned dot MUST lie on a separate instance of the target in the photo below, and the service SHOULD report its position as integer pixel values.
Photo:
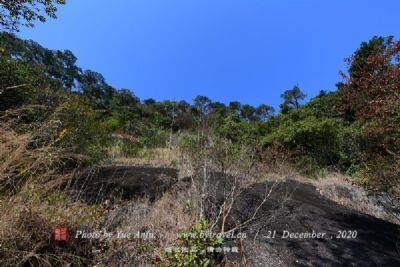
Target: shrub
(235, 130)
(351, 143)
(358, 172)
(309, 166)
(112, 123)
(197, 240)
(317, 138)
(82, 130)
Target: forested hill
(91, 175)
(354, 129)
(62, 127)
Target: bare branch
(255, 212)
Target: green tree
(248, 113)
(16, 13)
(93, 85)
(235, 106)
(58, 65)
(124, 97)
(21, 83)
(292, 98)
(124, 106)
(359, 60)
(371, 95)
(202, 104)
(149, 102)
(264, 111)
(218, 108)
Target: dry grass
(164, 219)
(28, 219)
(33, 206)
(326, 187)
(27, 157)
(30, 204)
(338, 188)
(157, 157)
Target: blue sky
(246, 50)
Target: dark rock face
(291, 207)
(123, 183)
(350, 238)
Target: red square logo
(61, 234)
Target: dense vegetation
(56, 117)
(354, 129)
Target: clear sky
(246, 50)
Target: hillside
(91, 175)
(295, 226)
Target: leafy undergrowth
(196, 254)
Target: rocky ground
(294, 226)
(350, 238)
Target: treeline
(60, 70)
(354, 129)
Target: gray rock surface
(298, 208)
(382, 205)
(292, 206)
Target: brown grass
(27, 221)
(164, 219)
(157, 157)
(30, 204)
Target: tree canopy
(17, 13)
(292, 98)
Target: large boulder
(284, 231)
(108, 183)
